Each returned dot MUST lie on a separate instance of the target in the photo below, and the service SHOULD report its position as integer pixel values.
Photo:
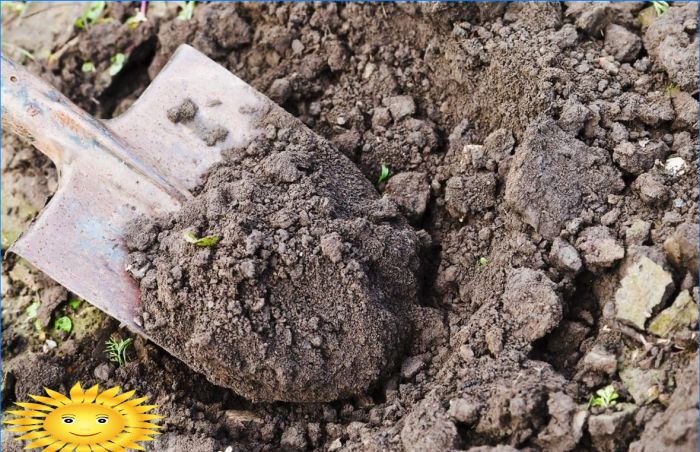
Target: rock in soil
(645, 288)
(306, 296)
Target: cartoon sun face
(89, 420)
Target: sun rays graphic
(88, 421)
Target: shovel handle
(35, 110)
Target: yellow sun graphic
(88, 421)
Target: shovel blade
(78, 238)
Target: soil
(307, 297)
(544, 156)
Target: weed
(63, 324)
(116, 350)
(383, 174)
(91, 15)
(75, 303)
(660, 7)
(88, 66)
(209, 240)
(187, 11)
(606, 397)
(483, 261)
(117, 61)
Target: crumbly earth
(306, 297)
(530, 141)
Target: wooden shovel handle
(33, 109)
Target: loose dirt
(308, 294)
(528, 148)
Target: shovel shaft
(33, 109)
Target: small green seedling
(209, 240)
(75, 303)
(16, 7)
(91, 15)
(63, 324)
(24, 54)
(660, 7)
(605, 398)
(32, 309)
(116, 350)
(117, 61)
(187, 11)
(133, 22)
(383, 174)
(483, 261)
(88, 66)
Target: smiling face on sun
(84, 423)
(89, 419)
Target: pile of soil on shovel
(307, 295)
(548, 151)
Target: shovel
(110, 172)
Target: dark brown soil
(528, 147)
(306, 297)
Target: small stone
(686, 108)
(463, 411)
(645, 287)
(294, 438)
(600, 360)
(280, 90)
(400, 106)
(644, 385)
(337, 444)
(499, 144)
(411, 192)
(638, 158)
(564, 256)
(573, 116)
(622, 43)
(102, 372)
(411, 367)
(681, 315)
(682, 247)
(477, 156)
(381, 117)
(297, 47)
(611, 217)
(599, 248)
(637, 233)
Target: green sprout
(90, 15)
(187, 11)
(606, 397)
(117, 61)
(88, 66)
(75, 303)
(133, 22)
(16, 7)
(383, 174)
(116, 350)
(32, 309)
(23, 53)
(483, 261)
(63, 324)
(209, 240)
(660, 7)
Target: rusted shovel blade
(113, 171)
